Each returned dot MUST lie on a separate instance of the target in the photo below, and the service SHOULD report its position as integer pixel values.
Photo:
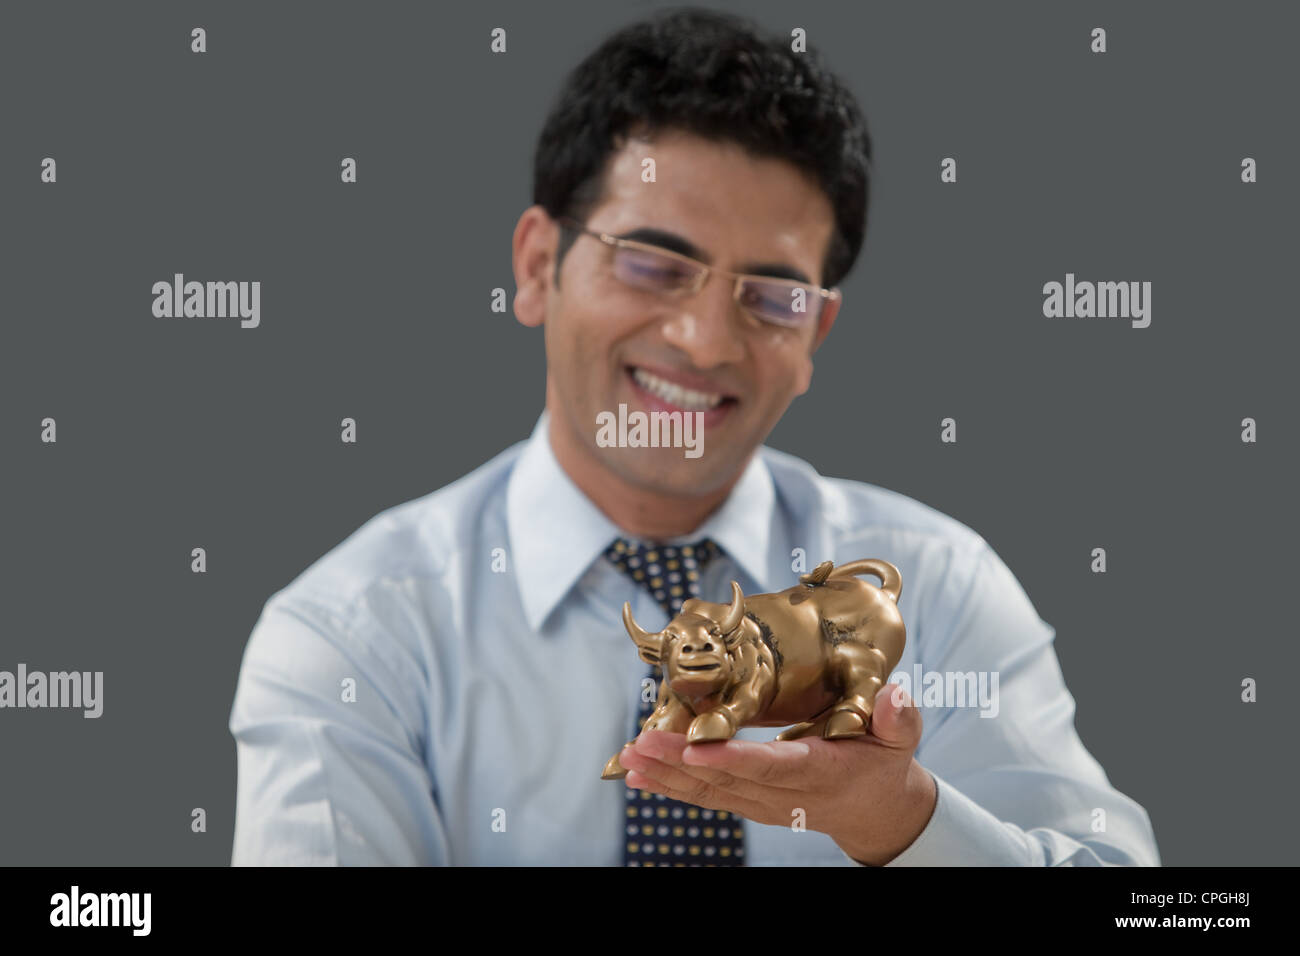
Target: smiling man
(447, 684)
(609, 342)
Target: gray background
(1073, 434)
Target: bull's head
(692, 648)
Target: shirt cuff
(962, 833)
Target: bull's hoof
(711, 726)
(845, 723)
(613, 770)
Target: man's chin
(667, 471)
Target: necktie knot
(670, 572)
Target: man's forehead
(718, 197)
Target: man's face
(609, 344)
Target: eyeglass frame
(706, 272)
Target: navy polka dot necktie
(660, 831)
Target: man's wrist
(921, 795)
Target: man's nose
(706, 326)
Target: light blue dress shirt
(445, 686)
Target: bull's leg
(670, 715)
(717, 724)
(859, 669)
(722, 722)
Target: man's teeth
(674, 394)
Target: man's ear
(827, 319)
(533, 249)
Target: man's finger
(641, 758)
(896, 721)
(661, 745)
(776, 763)
(660, 778)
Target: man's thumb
(896, 721)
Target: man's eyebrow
(679, 244)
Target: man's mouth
(678, 397)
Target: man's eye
(659, 273)
(644, 268)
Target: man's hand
(867, 793)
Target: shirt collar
(743, 524)
(556, 532)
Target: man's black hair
(714, 75)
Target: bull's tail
(891, 582)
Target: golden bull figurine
(813, 655)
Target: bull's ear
(732, 638)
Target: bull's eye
(715, 632)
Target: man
(446, 685)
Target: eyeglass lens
(777, 302)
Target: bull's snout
(698, 654)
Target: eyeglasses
(784, 302)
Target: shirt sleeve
(1016, 787)
(327, 727)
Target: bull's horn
(736, 612)
(634, 630)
